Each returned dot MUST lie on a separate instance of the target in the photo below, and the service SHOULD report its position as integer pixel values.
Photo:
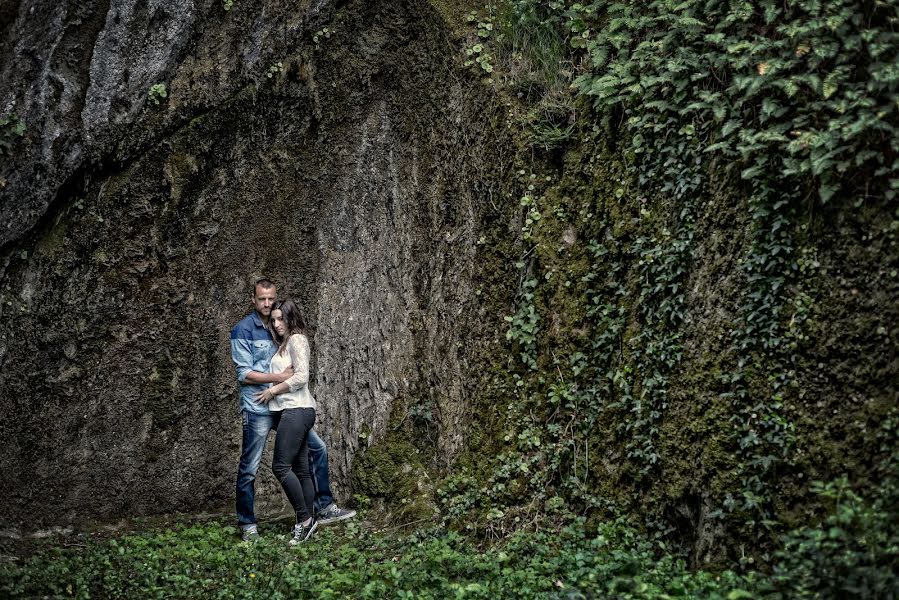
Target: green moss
(391, 470)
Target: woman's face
(278, 323)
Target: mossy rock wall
(596, 329)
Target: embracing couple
(270, 349)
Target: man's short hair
(264, 283)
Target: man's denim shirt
(252, 349)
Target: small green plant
(547, 135)
(322, 34)
(157, 93)
(227, 4)
(275, 69)
(11, 128)
(479, 56)
(479, 53)
(484, 62)
(552, 123)
(485, 29)
(523, 325)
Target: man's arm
(242, 355)
(255, 377)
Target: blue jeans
(255, 433)
(318, 463)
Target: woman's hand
(264, 396)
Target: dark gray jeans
(291, 460)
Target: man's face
(263, 300)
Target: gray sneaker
(333, 513)
(250, 533)
(301, 533)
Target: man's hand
(285, 374)
(263, 397)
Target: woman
(294, 407)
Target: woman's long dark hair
(293, 318)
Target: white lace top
(296, 354)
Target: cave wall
(349, 167)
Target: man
(252, 349)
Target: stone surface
(133, 233)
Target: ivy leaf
(751, 172)
(719, 111)
(730, 127)
(826, 191)
(599, 56)
(770, 108)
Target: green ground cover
(208, 561)
(852, 554)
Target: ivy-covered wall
(705, 325)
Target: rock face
(316, 145)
